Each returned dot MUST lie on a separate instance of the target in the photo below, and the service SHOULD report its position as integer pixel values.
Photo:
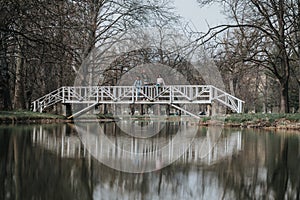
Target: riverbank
(264, 121)
(259, 120)
(28, 117)
(21, 117)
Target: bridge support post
(105, 110)
(213, 108)
(168, 109)
(157, 110)
(59, 109)
(132, 109)
(142, 109)
(67, 109)
(209, 110)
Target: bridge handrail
(233, 97)
(92, 94)
(237, 107)
(35, 105)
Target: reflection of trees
(267, 168)
(28, 172)
(4, 138)
(283, 173)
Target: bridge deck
(169, 94)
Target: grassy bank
(259, 120)
(240, 118)
(13, 117)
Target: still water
(53, 162)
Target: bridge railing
(227, 99)
(74, 94)
(130, 94)
(169, 94)
(48, 100)
(190, 93)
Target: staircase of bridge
(173, 95)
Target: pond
(58, 161)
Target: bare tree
(44, 43)
(270, 21)
(105, 19)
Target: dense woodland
(43, 44)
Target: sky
(199, 17)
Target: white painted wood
(169, 94)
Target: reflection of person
(138, 84)
(159, 83)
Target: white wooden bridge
(173, 95)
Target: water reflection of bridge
(207, 148)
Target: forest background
(44, 43)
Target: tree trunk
(19, 101)
(284, 96)
(285, 66)
(265, 103)
(231, 86)
(298, 98)
(5, 99)
(298, 42)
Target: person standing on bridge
(146, 81)
(138, 84)
(159, 84)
